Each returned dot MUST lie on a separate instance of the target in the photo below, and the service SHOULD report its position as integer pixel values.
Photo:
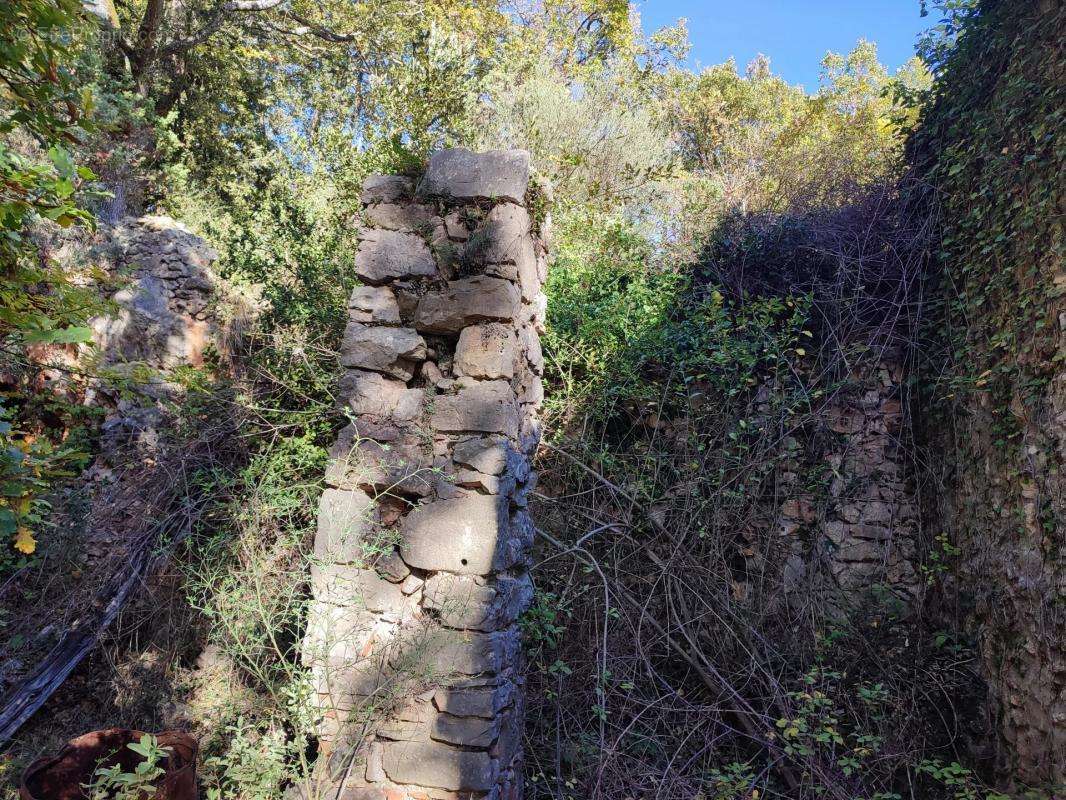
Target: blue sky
(795, 34)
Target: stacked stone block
(422, 552)
(164, 315)
(866, 534)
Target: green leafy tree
(42, 114)
(43, 117)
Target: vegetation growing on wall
(989, 145)
(989, 154)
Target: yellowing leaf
(24, 541)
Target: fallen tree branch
(24, 701)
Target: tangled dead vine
(670, 652)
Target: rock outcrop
(422, 551)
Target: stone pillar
(422, 552)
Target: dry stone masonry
(164, 316)
(165, 319)
(865, 534)
(422, 551)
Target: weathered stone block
(509, 742)
(375, 772)
(486, 351)
(372, 393)
(438, 765)
(455, 225)
(385, 255)
(345, 516)
(459, 535)
(539, 308)
(466, 302)
(346, 680)
(484, 702)
(463, 731)
(523, 490)
(530, 345)
(487, 406)
(460, 602)
(347, 585)
(391, 567)
(459, 173)
(506, 271)
(391, 350)
(503, 237)
(488, 484)
(373, 304)
(337, 635)
(401, 466)
(531, 390)
(399, 730)
(471, 653)
(487, 454)
(386, 189)
(413, 217)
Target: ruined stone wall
(163, 318)
(163, 299)
(1005, 506)
(863, 531)
(990, 143)
(422, 552)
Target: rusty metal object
(63, 776)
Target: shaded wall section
(422, 552)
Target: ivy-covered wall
(991, 149)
